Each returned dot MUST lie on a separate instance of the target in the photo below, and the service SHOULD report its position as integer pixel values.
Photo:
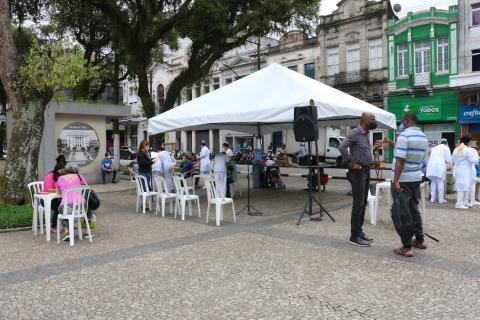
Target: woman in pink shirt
(69, 179)
(50, 185)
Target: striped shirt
(411, 146)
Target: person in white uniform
(168, 165)
(220, 169)
(205, 165)
(157, 166)
(472, 191)
(440, 157)
(464, 158)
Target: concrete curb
(15, 229)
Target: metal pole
(258, 54)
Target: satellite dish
(397, 7)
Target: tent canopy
(264, 102)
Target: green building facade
(422, 54)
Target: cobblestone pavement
(148, 267)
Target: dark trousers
(104, 174)
(147, 175)
(413, 192)
(54, 205)
(360, 181)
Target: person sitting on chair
(302, 155)
(187, 167)
(107, 167)
(133, 166)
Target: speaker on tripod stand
(305, 128)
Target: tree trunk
(23, 151)
(144, 93)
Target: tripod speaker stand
(308, 208)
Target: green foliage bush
(12, 216)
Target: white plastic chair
(190, 182)
(423, 191)
(371, 200)
(379, 188)
(183, 196)
(132, 180)
(163, 195)
(34, 188)
(143, 191)
(218, 202)
(76, 210)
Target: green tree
(31, 72)
(89, 27)
(216, 27)
(141, 28)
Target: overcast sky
(327, 6)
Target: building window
(309, 70)
(442, 54)
(333, 62)
(422, 56)
(206, 86)
(294, 68)
(228, 81)
(198, 90)
(375, 54)
(189, 93)
(353, 57)
(161, 94)
(476, 60)
(216, 83)
(402, 60)
(476, 15)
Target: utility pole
(258, 54)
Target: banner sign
(469, 114)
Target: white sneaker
(461, 206)
(432, 201)
(474, 203)
(442, 201)
(467, 204)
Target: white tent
(263, 102)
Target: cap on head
(444, 141)
(203, 143)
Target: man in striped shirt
(410, 151)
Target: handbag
(92, 199)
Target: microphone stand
(249, 208)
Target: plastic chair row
(182, 196)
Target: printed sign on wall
(79, 143)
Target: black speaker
(305, 125)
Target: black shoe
(359, 241)
(365, 237)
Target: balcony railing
(351, 77)
(421, 79)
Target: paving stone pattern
(148, 267)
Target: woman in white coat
(168, 166)
(464, 158)
(437, 170)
